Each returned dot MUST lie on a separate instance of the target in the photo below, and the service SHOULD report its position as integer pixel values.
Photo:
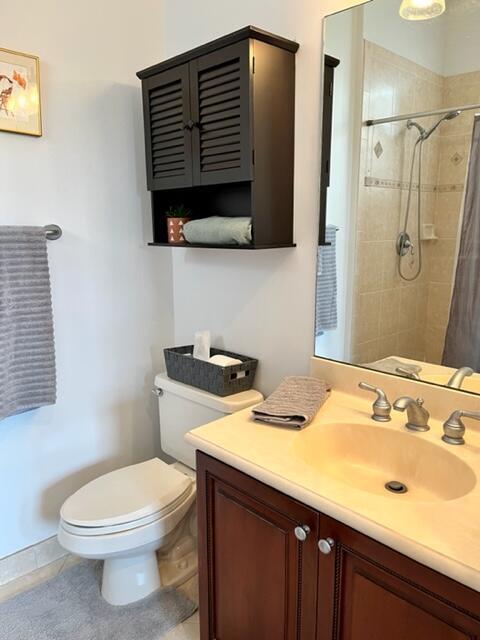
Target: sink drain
(396, 487)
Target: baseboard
(30, 559)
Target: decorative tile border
(403, 184)
(446, 188)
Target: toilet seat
(125, 499)
(126, 526)
(103, 544)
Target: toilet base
(131, 578)
(174, 573)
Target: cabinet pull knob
(302, 532)
(326, 545)
(189, 125)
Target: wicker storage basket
(222, 381)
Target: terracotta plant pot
(175, 230)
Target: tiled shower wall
(394, 317)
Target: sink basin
(471, 383)
(366, 457)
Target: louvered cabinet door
(168, 144)
(220, 98)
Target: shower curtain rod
(420, 114)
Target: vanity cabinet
(219, 134)
(258, 580)
(367, 591)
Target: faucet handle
(381, 407)
(408, 373)
(454, 427)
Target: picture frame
(20, 100)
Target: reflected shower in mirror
(398, 269)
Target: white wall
(344, 41)
(462, 43)
(260, 303)
(111, 294)
(421, 41)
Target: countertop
(441, 534)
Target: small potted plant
(176, 217)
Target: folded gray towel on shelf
(390, 365)
(219, 230)
(27, 350)
(294, 403)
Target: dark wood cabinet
(222, 135)
(166, 104)
(219, 133)
(259, 582)
(370, 592)
(329, 67)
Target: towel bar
(52, 231)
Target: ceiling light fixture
(421, 9)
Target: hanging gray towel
(326, 293)
(27, 350)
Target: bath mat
(70, 607)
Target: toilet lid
(126, 495)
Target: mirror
(398, 269)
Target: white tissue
(201, 345)
(224, 361)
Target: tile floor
(188, 630)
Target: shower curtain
(462, 340)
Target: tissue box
(222, 381)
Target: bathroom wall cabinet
(219, 133)
(258, 580)
(329, 66)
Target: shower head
(448, 116)
(451, 115)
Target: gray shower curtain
(462, 341)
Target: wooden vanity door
(370, 592)
(257, 581)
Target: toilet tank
(182, 408)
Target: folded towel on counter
(27, 350)
(219, 230)
(294, 403)
(390, 365)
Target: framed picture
(20, 109)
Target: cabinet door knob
(302, 532)
(326, 545)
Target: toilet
(141, 519)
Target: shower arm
(420, 114)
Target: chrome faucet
(381, 407)
(459, 376)
(454, 428)
(417, 416)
